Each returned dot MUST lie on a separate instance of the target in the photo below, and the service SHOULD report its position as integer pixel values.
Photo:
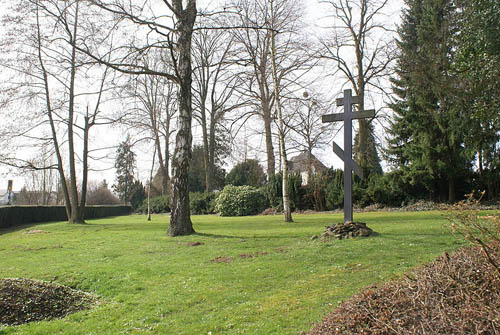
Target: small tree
(249, 172)
(137, 194)
(125, 165)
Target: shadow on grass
(208, 235)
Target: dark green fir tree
(125, 167)
(426, 135)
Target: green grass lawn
(149, 283)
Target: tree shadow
(245, 237)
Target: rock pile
(346, 230)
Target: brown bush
(101, 195)
(457, 294)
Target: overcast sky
(315, 19)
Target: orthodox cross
(346, 155)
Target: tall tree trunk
(286, 201)
(206, 146)
(180, 220)
(83, 199)
(211, 157)
(309, 164)
(73, 188)
(265, 104)
(451, 189)
(271, 161)
(163, 171)
(166, 164)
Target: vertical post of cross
(348, 155)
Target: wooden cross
(346, 155)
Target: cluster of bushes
(157, 205)
(231, 201)
(325, 191)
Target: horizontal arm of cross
(354, 100)
(356, 115)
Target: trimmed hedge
(11, 216)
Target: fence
(11, 216)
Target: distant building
(6, 197)
(298, 164)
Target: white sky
(315, 19)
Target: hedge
(240, 201)
(11, 216)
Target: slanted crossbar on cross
(346, 155)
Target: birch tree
(169, 28)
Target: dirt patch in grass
(255, 254)
(457, 294)
(35, 231)
(26, 300)
(195, 244)
(221, 259)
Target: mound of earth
(457, 294)
(346, 230)
(25, 300)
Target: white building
(6, 197)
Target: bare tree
(254, 45)
(274, 54)
(151, 108)
(357, 30)
(49, 76)
(215, 86)
(306, 124)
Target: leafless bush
(456, 294)
(465, 219)
(101, 195)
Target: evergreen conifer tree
(125, 166)
(426, 136)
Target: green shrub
(202, 203)
(137, 195)
(315, 191)
(157, 205)
(296, 192)
(240, 201)
(386, 190)
(335, 190)
(273, 191)
(249, 172)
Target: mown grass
(149, 283)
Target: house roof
(299, 163)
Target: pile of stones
(345, 230)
